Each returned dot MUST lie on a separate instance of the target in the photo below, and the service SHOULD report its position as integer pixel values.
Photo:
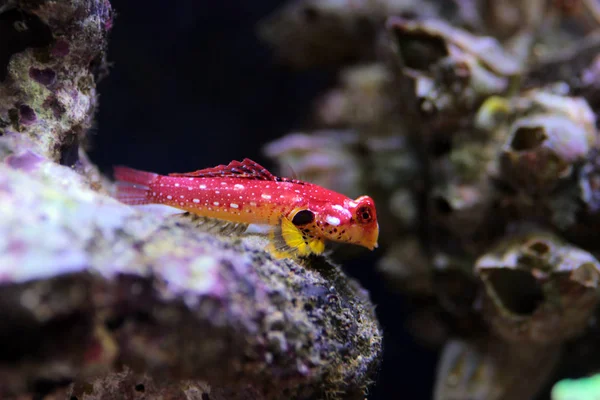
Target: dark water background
(191, 86)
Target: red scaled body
(244, 192)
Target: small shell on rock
(538, 289)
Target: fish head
(353, 222)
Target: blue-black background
(191, 86)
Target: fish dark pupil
(303, 217)
(364, 215)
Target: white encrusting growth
(335, 221)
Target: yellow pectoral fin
(302, 243)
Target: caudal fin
(132, 185)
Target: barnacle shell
(320, 32)
(549, 135)
(364, 97)
(538, 289)
(541, 150)
(490, 369)
(451, 67)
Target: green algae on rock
(586, 388)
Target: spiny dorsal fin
(244, 169)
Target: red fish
(241, 193)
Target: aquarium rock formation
(473, 125)
(100, 300)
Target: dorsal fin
(244, 169)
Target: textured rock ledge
(99, 300)
(90, 285)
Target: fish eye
(363, 214)
(303, 217)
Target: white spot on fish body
(190, 188)
(217, 192)
(196, 200)
(169, 197)
(224, 183)
(202, 186)
(216, 203)
(265, 196)
(233, 205)
(182, 197)
(352, 203)
(253, 203)
(238, 186)
(177, 184)
(343, 210)
(335, 221)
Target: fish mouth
(371, 243)
(371, 246)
